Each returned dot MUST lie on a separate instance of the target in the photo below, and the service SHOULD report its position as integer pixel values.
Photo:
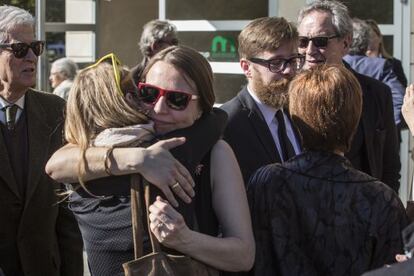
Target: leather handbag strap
(136, 215)
(154, 242)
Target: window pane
(55, 10)
(80, 11)
(382, 12)
(70, 11)
(55, 46)
(388, 44)
(80, 46)
(226, 86)
(216, 9)
(215, 46)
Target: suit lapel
(259, 125)
(39, 138)
(368, 120)
(6, 171)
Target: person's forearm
(228, 254)
(63, 165)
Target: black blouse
(316, 215)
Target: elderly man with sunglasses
(259, 128)
(37, 235)
(325, 36)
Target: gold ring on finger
(175, 185)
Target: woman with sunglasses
(103, 116)
(176, 89)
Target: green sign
(223, 47)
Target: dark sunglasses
(318, 41)
(20, 49)
(176, 100)
(278, 65)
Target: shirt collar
(19, 102)
(268, 111)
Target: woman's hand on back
(159, 167)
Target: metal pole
(41, 35)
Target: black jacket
(380, 150)
(37, 235)
(316, 215)
(248, 134)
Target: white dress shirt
(4, 103)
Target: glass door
(212, 27)
(68, 27)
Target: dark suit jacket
(37, 236)
(378, 132)
(382, 70)
(398, 70)
(248, 134)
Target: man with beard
(325, 36)
(259, 129)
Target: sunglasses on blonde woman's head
(318, 41)
(116, 64)
(20, 49)
(177, 100)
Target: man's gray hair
(341, 20)
(10, 17)
(67, 67)
(155, 31)
(360, 37)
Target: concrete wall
(289, 9)
(120, 25)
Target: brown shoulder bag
(157, 263)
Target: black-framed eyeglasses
(318, 41)
(20, 49)
(278, 65)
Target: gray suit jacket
(37, 236)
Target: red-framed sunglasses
(176, 100)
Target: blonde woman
(104, 127)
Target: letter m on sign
(223, 42)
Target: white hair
(11, 17)
(67, 67)
(341, 20)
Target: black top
(17, 143)
(106, 224)
(316, 215)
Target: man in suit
(38, 235)
(325, 35)
(375, 67)
(259, 128)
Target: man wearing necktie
(38, 236)
(259, 128)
